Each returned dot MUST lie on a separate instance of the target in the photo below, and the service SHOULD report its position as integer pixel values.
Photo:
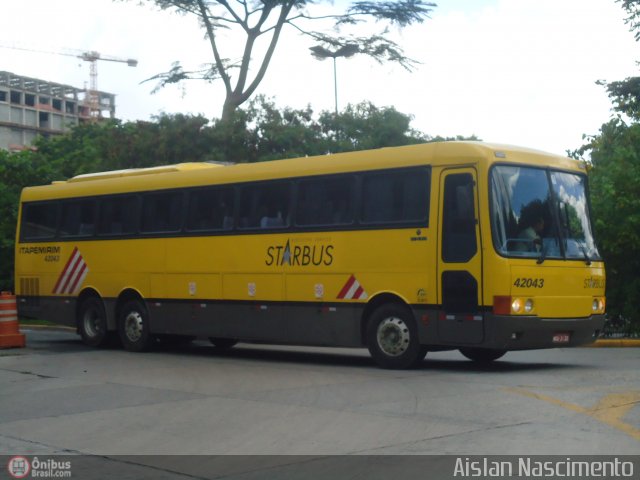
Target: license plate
(561, 338)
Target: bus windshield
(540, 213)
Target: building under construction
(30, 107)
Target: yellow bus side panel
(307, 267)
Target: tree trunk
(230, 106)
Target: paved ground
(58, 396)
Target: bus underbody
(327, 324)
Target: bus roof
(200, 174)
(132, 172)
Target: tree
(365, 126)
(282, 133)
(16, 171)
(614, 180)
(261, 23)
(625, 94)
(632, 7)
(614, 176)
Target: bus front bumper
(526, 333)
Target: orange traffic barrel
(10, 335)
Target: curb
(26, 326)
(615, 343)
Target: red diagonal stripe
(347, 286)
(358, 292)
(68, 274)
(72, 287)
(73, 273)
(55, 289)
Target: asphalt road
(59, 397)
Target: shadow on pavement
(68, 342)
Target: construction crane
(93, 100)
(92, 96)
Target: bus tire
(482, 355)
(392, 337)
(92, 322)
(133, 327)
(223, 343)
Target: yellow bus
(455, 245)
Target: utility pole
(345, 51)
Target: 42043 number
(529, 282)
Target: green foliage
(283, 133)
(112, 145)
(364, 126)
(16, 170)
(625, 95)
(259, 132)
(614, 177)
(632, 7)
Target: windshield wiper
(543, 254)
(587, 260)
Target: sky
(518, 72)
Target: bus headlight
(516, 305)
(505, 305)
(528, 306)
(598, 305)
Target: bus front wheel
(133, 327)
(482, 355)
(392, 337)
(92, 322)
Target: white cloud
(520, 72)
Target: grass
(30, 322)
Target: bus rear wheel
(482, 355)
(92, 322)
(392, 338)
(133, 327)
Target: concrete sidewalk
(616, 343)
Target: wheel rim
(133, 326)
(393, 336)
(91, 323)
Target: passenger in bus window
(531, 226)
(227, 216)
(272, 219)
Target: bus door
(460, 318)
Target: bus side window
(78, 218)
(325, 201)
(39, 221)
(210, 209)
(161, 212)
(118, 215)
(459, 242)
(396, 197)
(265, 205)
